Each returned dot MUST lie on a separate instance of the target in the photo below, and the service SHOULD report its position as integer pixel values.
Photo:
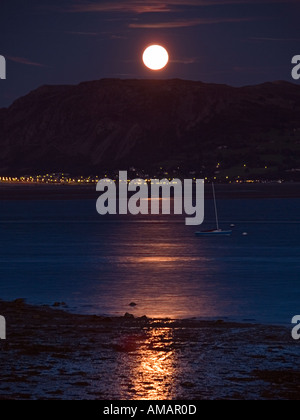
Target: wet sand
(52, 354)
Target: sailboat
(217, 231)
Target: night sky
(237, 42)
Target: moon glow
(155, 57)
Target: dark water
(63, 251)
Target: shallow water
(64, 251)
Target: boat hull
(215, 233)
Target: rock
(19, 302)
(57, 304)
(132, 304)
(128, 316)
(107, 319)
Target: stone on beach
(19, 302)
(128, 316)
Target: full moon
(155, 57)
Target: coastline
(52, 354)
(10, 191)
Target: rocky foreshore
(53, 354)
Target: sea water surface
(63, 251)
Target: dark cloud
(188, 22)
(26, 61)
(186, 61)
(156, 6)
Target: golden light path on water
(154, 269)
(149, 362)
(155, 370)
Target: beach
(51, 354)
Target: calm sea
(63, 251)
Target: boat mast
(215, 202)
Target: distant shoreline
(9, 191)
